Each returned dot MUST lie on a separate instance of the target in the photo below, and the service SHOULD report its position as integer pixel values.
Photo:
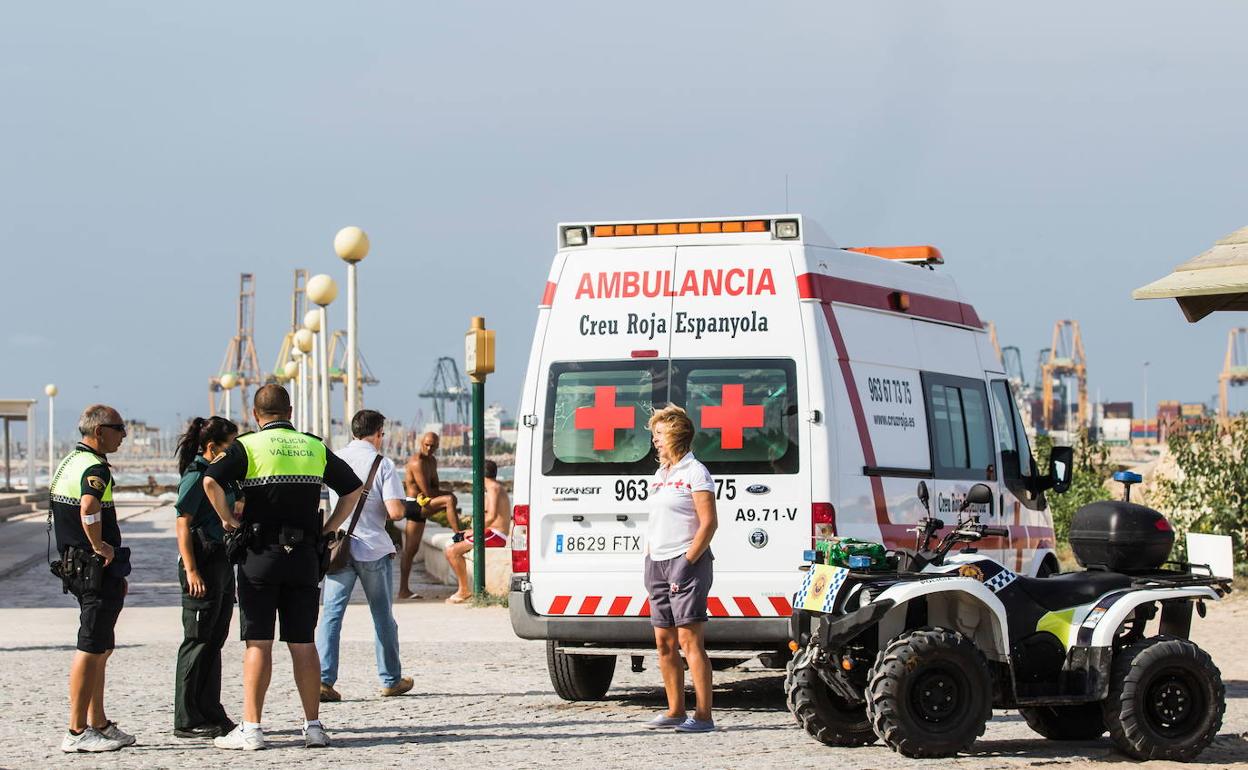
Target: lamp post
(50, 390)
(322, 290)
(228, 381)
(351, 245)
(291, 371)
(478, 362)
(312, 325)
(304, 340)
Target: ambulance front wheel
(579, 677)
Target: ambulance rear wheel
(929, 693)
(1080, 722)
(828, 717)
(579, 677)
(1166, 700)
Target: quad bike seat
(1071, 588)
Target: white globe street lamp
(322, 290)
(312, 324)
(351, 245)
(50, 391)
(304, 340)
(228, 383)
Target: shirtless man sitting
(497, 531)
(425, 498)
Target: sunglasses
(118, 426)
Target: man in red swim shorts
(497, 529)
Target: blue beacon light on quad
(916, 648)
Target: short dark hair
(272, 400)
(366, 422)
(491, 469)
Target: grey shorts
(678, 590)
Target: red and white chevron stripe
(755, 606)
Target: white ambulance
(823, 383)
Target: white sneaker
(89, 739)
(315, 737)
(239, 739)
(113, 732)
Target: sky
(1059, 155)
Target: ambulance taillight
(520, 539)
(822, 522)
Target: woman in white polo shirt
(678, 568)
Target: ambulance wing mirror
(924, 497)
(1061, 467)
(979, 494)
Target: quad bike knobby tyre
(929, 693)
(579, 677)
(828, 717)
(1079, 722)
(1166, 700)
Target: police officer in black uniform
(281, 471)
(92, 566)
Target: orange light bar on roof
(926, 255)
(682, 228)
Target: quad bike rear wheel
(1079, 722)
(929, 693)
(1166, 700)
(828, 717)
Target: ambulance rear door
(738, 368)
(604, 369)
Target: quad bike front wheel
(828, 717)
(929, 693)
(1079, 722)
(1166, 700)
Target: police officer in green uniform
(207, 580)
(281, 471)
(92, 566)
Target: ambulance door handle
(814, 417)
(621, 517)
(578, 517)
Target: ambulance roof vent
(915, 255)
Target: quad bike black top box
(1120, 536)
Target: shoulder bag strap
(368, 486)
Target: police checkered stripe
(63, 500)
(800, 597)
(282, 480)
(829, 598)
(1000, 580)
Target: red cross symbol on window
(732, 417)
(604, 418)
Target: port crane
(448, 393)
(1234, 369)
(298, 308)
(1066, 360)
(240, 357)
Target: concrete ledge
(497, 561)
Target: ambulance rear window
(596, 415)
(744, 411)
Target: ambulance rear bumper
(621, 630)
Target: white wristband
(92, 519)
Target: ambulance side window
(959, 428)
(1017, 463)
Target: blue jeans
(378, 580)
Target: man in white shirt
(372, 563)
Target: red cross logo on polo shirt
(732, 417)
(604, 418)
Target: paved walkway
(482, 697)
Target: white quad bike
(919, 651)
